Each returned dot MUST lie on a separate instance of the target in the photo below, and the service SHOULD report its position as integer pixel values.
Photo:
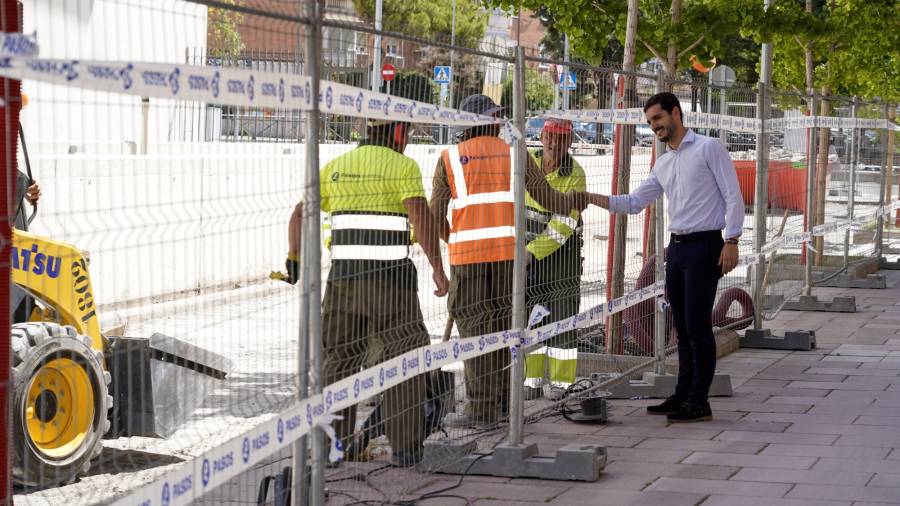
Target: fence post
(810, 196)
(851, 195)
(760, 200)
(300, 478)
(12, 105)
(659, 321)
(886, 173)
(312, 249)
(517, 373)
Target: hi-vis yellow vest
(546, 232)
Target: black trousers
(692, 276)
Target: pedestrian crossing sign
(442, 74)
(568, 82)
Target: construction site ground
(820, 427)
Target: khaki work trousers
(365, 322)
(480, 301)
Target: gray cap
(480, 104)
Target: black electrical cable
(440, 493)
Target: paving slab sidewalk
(770, 444)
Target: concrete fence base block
(847, 281)
(576, 462)
(804, 340)
(772, 302)
(889, 266)
(657, 386)
(812, 303)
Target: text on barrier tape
(232, 86)
(194, 478)
(635, 116)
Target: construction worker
(474, 179)
(374, 194)
(554, 273)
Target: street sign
(723, 75)
(442, 74)
(388, 72)
(569, 81)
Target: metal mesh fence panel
(789, 162)
(161, 352)
(585, 100)
(155, 249)
(422, 424)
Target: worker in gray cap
(474, 179)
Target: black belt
(695, 236)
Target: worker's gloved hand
(292, 265)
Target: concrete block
(886, 265)
(577, 462)
(792, 340)
(812, 303)
(848, 281)
(657, 386)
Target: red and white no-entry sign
(387, 72)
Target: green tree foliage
(429, 19)
(855, 44)
(433, 20)
(700, 28)
(413, 86)
(223, 36)
(539, 90)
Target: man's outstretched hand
(583, 199)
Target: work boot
(691, 412)
(668, 407)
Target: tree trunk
(672, 51)
(889, 184)
(809, 58)
(821, 174)
(623, 165)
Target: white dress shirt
(700, 183)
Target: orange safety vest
(479, 172)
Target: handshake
(581, 200)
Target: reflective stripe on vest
(554, 235)
(356, 252)
(546, 231)
(481, 234)
(369, 236)
(480, 176)
(369, 222)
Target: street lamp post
(376, 54)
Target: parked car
(741, 140)
(533, 129)
(644, 136)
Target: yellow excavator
(72, 386)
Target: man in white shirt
(699, 180)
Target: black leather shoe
(691, 413)
(668, 407)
